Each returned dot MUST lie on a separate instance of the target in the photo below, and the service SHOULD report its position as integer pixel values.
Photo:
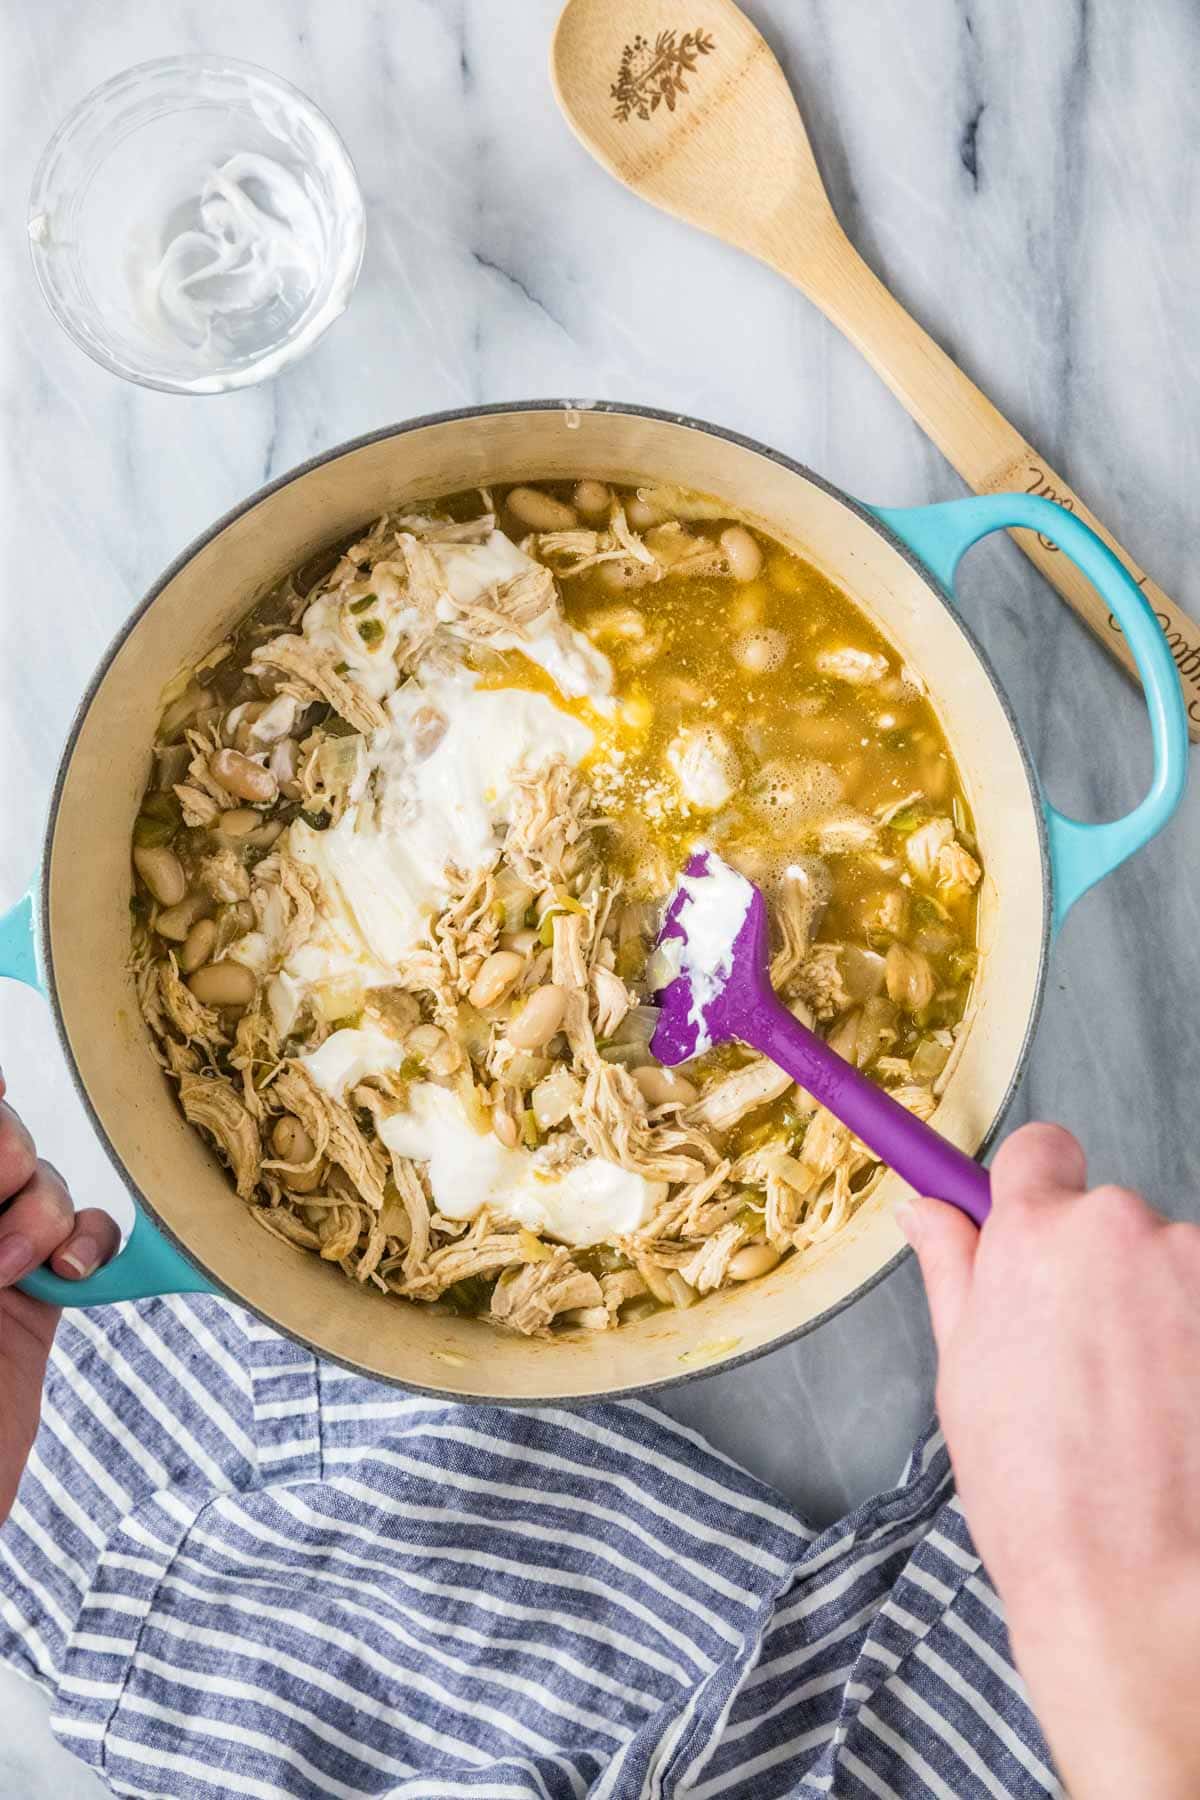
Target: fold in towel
(241, 1571)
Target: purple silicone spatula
(715, 936)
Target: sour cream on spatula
(710, 911)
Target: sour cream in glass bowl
(196, 224)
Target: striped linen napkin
(241, 1571)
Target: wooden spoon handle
(981, 444)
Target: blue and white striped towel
(240, 1571)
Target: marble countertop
(1018, 175)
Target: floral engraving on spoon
(652, 75)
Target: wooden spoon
(688, 107)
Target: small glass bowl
(120, 182)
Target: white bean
(425, 1041)
(223, 984)
(244, 779)
(592, 499)
(265, 835)
(539, 1018)
(760, 651)
(290, 1141)
(749, 607)
(553, 1098)
(238, 822)
(751, 1261)
(641, 515)
(303, 1181)
(162, 872)
(541, 512)
(176, 921)
(660, 1085)
(496, 974)
(198, 946)
(628, 573)
(236, 729)
(505, 1127)
(284, 764)
(742, 553)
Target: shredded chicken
(334, 1131)
(528, 1298)
(844, 830)
(226, 878)
(313, 675)
(480, 1252)
(826, 1143)
(785, 1181)
(286, 1225)
(618, 1288)
(199, 807)
(708, 1267)
(212, 1104)
(924, 847)
(802, 897)
(200, 778)
(195, 1023)
(411, 1196)
(612, 1001)
(919, 1100)
(733, 1096)
(819, 981)
(911, 983)
(859, 667)
(181, 1059)
(569, 967)
(548, 825)
(957, 868)
(611, 1121)
(254, 1054)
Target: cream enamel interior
(89, 888)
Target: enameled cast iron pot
(72, 936)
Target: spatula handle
(926, 1160)
(989, 454)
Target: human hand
(37, 1222)
(1068, 1335)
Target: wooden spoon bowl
(691, 110)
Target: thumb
(944, 1240)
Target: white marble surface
(1022, 176)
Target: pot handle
(1080, 855)
(147, 1263)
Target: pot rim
(455, 415)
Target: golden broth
(679, 648)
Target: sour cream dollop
(590, 1203)
(469, 572)
(348, 1056)
(256, 241)
(571, 660)
(445, 774)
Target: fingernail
(83, 1258)
(16, 1257)
(905, 1215)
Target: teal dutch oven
(69, 937)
